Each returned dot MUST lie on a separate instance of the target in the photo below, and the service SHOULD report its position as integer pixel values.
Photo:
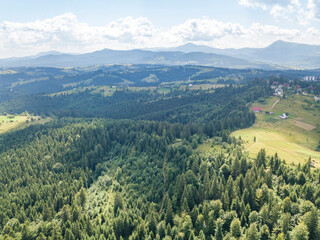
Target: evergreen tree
(300, 232)
(252, 232)
(235, 228)
(311, 220)
(219, 232)
(118, 203)
(83, 197)
(169, 212)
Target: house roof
(256, 109)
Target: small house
(256, 109)
(278, 92)
(283, 116)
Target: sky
(28, 27)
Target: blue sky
(32, 26)
(161, 13)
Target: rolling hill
(108, 56)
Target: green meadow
(12, 122)
(294, 139)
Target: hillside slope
(295, 138)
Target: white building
(283, 116)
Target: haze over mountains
(279, 52)
(278, 55)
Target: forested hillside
(131, 165)
(15, 82)
(97, 179)
(178, 106)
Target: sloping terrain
(294, 139)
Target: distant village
(280, 89)
(311, 78)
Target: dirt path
(273, 105)
(164, 182)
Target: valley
(156, 152)
(160, 120)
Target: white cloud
(301, 11)
(205, 30)
(66, 34)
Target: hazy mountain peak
(281, 53)
(279, 42)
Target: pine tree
(169, 212)
(187, 226)
(219, 234)
(285, 223)
(300, 232)
(252, 232)
(26, 233)
(235, 228)
(264, 233)
(286, 205)
(311, 220)
(69, 235)
(83, 197)
(118, 203)
(185, 206)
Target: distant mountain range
(285, 54)
(279, 55)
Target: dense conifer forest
(128, 166)
(99, 179)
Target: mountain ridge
(279, 52)
(278, 55)
(135, 56)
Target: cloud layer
(66, 34)
(301, 11)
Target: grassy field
(9, 123)
(108, 91)
(295, 138)
(103, 90)
(161, 90)
(208, 148)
